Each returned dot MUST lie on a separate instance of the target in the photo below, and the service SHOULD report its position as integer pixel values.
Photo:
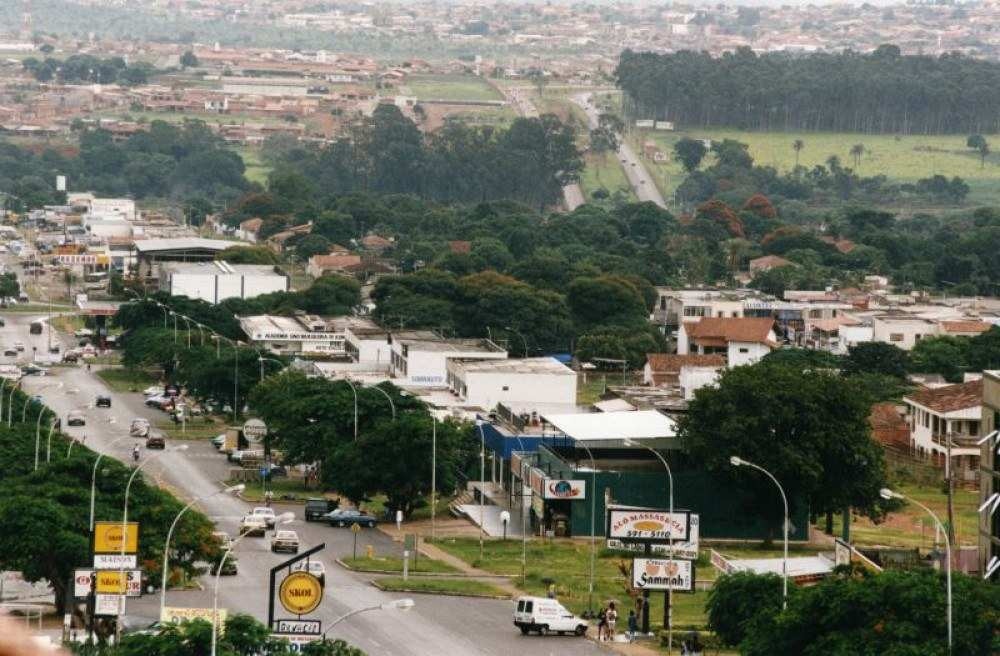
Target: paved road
(635, 170)
(436, 626)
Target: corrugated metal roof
(596, 426)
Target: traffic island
(393, 565)
(453, 587)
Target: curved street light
(398, 604)
(283, 518)
(736, 461)
(128, 489)
(887, 494)
(93, 477)
(388, 398)
(235, 489)
(10, 404)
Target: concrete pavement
(436, 626)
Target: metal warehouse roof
(611, 426)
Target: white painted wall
(214, 287)
(743, 353)
(430, 367)
(485, 390)
(694, 378)
(902, 332)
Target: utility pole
(950, 482)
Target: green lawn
(567, 564)
(387, 564)
(126, 380)
(441, 586)
(450, 87)
(285, 489)
(912, 527)
(604, 172)
(256, 170)
(198, 428)
(900, 158)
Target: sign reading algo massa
(645, 524)
(300, 593)
(108, 538)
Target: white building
(902, 330)
(742, 340)
(106, 226)
(301, 334)
(952, 413)
(124, 207)
(369, 345)
(424, 360)
(485, 383)
(216, 281)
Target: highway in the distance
(436, 626)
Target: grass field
(899, 158)
(604, 172)
(126, 380)
(256, 170)
(912, 527)
(451, 87)
(441, 586)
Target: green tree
(309, 245)
(618, 343)
(797, 146)
(809, 428)
(189, 59)
(978, 143)
(736, 601)
(690, 152)
(605, 301)
(945, 355)
(894, 613)
(876, 357)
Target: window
(736, 315)
(506, 388)
(815, 314)
(895, 337)
(744, 349)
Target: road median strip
(445, 587)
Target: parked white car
(546, 616)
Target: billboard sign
(683, 550)
(296, 642)
(300, 593)
(564, 489)
(661, 574)
(254, 430)
(648, 525)
(299, 627)
(173, 615)
(115, 561)
(108, 537)
(109, 605)
(108, 582)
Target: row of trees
(45, 513)
(530, 161)
(87, 68)
(881, 92)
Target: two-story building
(902, 330)
(742, 340)
(484, 383)
(423, 359)
(947, 420)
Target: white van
(546, 616)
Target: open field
(126, 380)
(912, 527)
(451, 87)
(899, 158)
(256, 170)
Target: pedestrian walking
(268, 498)
(602, 623)
(612, 618)
(633, 626)
(552, 591)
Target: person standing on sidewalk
(633, 626)
(612, 618)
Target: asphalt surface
(635, 171)
(436, 626)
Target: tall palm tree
(857, 150)
(797, 146)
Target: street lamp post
(524, 342)
(482, 483)
(3, 383)
(93, 478)
(261, 359)
(283, 518)
(10, 404)
(388, 398)
(128, 489)
(434, 433)
(593, 538)
(887, 494)
(736, 461)
(235, 489)
(398, 604)
(38, 435)
(670, 543)
(355, 391)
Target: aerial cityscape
(446, 328)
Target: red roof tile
(717, 331)
(950, 397)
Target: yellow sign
(111, 582)
(300, 593)
(173, 615)
(108, 538)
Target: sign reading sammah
(657, 574)
(108, 537)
